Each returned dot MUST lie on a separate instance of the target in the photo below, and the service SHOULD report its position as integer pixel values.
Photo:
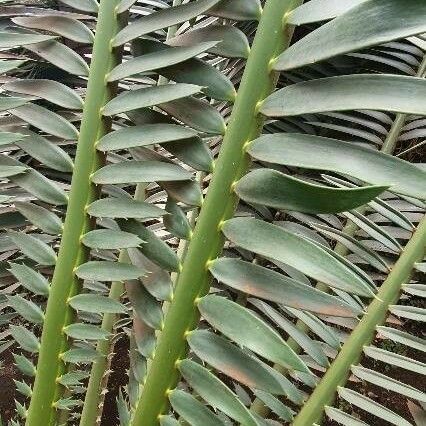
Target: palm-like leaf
(258, 310)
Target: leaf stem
(364, 332)
(98, 381)
(350, 229)
(93, 403)
(50, 367)
(207, 241)
(389, 144)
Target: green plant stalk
(207, 241)
(46, 389)
(98, 380)
(400, 119)
(364, 332)
(350, 229)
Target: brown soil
(8, 373)
(118, 379)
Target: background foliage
(314, 223)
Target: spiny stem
(98, 380)
(349, 229)
(72, 253)
(364, 332)
(93, 402)
(207, 242)
(388, 147)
